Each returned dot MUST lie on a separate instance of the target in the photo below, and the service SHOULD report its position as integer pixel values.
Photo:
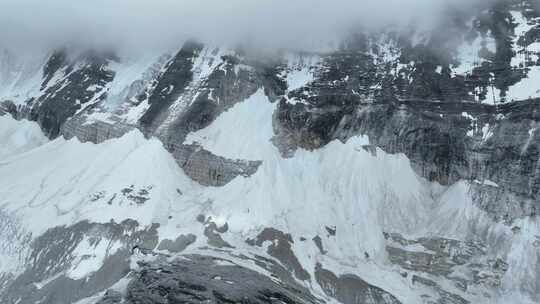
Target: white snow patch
(17, 137)
(487, 132)
(120, 286)
(528, 87)
(487, 182)
(467, 115)
(523, 27)
(90, 255)
(473, 124)
(301, 70)
(44, 283)
(134, 113)
(93, 88)
(468, 56)
(71, 181)
(99, 116)
(220, 262)
(130, 73)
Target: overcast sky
(157, 23)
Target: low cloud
(140, 25)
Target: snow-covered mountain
(401, 166)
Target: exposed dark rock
(8, 107)
(331, 230)
(58, 60)
(212, 232)
(209, 169)
(137, 196)
(350, 289)
(281, 250)
(95, 131)
(201, 218)
(178, 245)
(439, 257)
(446, 258)
(445, 297)
(170, 85)
(204, 279)
(111, 297)
(82, 81)
(318, 242)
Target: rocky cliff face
(401, 167)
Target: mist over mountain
(135, 24)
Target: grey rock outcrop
(179, 244)
(281, 250)
(351, 289)
(53, 254)
(197, 279)
(94, 131)
(446, 142)
(466, 266)
(82, 83)
(209, 169)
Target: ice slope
(341, 181)
(63, 182)
(341, 185)
(16, 137)
(360, 194)
(458, 218)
